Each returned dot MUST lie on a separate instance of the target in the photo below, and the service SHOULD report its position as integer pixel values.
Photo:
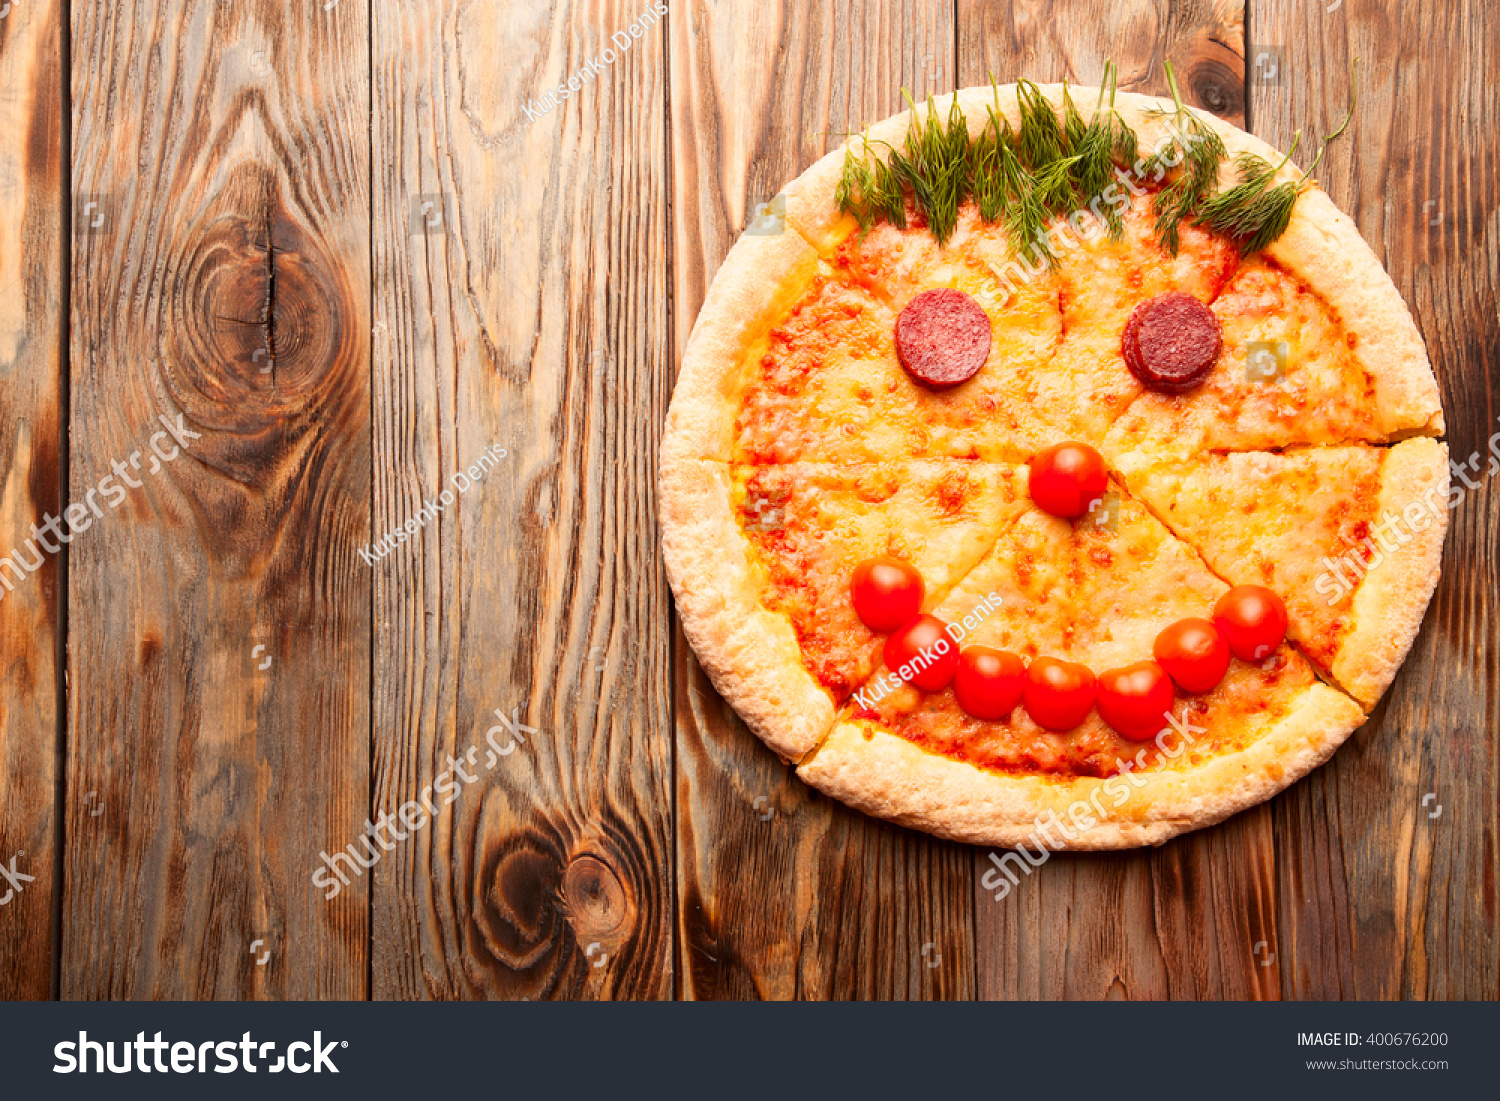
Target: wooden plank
(1383, 895)
(1195, 918)
(1071, 39)
(524, 308)
(219, 657)
(784, 894)
(31, 476)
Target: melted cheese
(812, 524)
(1287, 374)
(1098, 595)
(1271, 519)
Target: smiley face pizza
(1062, 473)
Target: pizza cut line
(978, 524)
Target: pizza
(1056, 473)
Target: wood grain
(520, 275)
(532, 318)
(31, 457)
(784, 894)
(1070, 40)
(1380, 894)
(224, 277)
(1195, 918)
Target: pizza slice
(828, 384)
(1350, 537)
(761, 560)
(1101, 280)
(997, 407)
(1289, 372)
(794, 357)
(1096, 591)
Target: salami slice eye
(1171, 342)
(943, 337)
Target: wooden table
(353, 246)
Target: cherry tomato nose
(1066, 478)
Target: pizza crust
(811, 208)
(1391, 601)
(759, 280)
(1323, 247)
(889, 777)
(751, 655)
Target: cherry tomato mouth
(923, 654)
(989, 683)
(1136, 700)
(1194, 653)
(1253, 620)
(887, 593)
(1059, 694)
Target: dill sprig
(1251, 213)
(1041, 138)
(1003, 188)
(1055, 187)
(1049, 166)
(1200, 152)
(1028, 186)
(1126, 145)
(935, 165)
(1247, 213)
(987, 181)
(1090, 142)
(856, 181)
(1045, 150)
(1098, 144)
(1025, 213)
(869, 188)
(1073, 124)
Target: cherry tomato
(989, 682)
(887, 592)
(1194, 653)
(1066, 478)
(924, 645)
(1135, 700)
(1058, 694)
(1253, 620)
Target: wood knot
(1217, 88)
(519, 923)
(595, 897)
(219, 331)
(311, 307)
(265, 311)
(1214, 75)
